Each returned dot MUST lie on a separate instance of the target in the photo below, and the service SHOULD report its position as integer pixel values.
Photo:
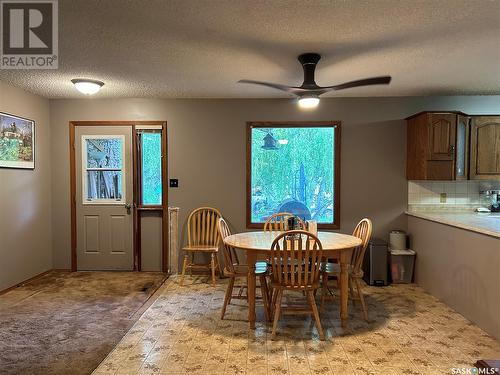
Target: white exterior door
(104, 196)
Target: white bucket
(397, 240)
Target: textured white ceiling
(201, 48)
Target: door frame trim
(136, 213)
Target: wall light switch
(442, 198)
(174, 183)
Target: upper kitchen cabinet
(485, 147)
(442, 130)
(437, 146)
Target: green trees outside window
(151, 184)
(292, 169)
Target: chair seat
(242, 269)
(334, 269)
(331, 267)
(261, 264)
(206, 248)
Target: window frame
(139, 130)
(336, 125)
(85, 170)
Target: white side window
(103, 169)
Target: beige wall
(207, 151)
(460, 268)
(25, 197)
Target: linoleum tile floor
(410, 333)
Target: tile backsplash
(448, 194)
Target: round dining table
(257, 245)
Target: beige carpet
(66, 323)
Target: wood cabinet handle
(451, 150)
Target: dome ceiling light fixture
(308, 101)
(309, 92)
(87, 86)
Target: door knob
(128, 207)
(451, 150)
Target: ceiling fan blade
(384, 80)
(290, 89)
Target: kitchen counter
(458, 256)
(485, 223)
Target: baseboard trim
(28, 281)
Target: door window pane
(151, 183)
(104, 153)
(293, 170)
(103, 169)
(104, 185)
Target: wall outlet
(174, 183)
(442, 198)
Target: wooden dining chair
(234, 270)
(278, 222)
(202, 237)
(296, 262)
(363, 231)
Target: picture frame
(17, 142)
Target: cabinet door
(485, 147)
(442, 136)
(417, 151)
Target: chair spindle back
(296, 259)
(203, 227)
(230, 256)
(363, 231)
(278, 222)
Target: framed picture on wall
(17, 142)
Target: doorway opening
(119, 196)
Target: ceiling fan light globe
(308, 102)
(87, 86)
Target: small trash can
(375, 264)
(402, 264)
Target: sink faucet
(494, 197)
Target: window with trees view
(293, 167)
